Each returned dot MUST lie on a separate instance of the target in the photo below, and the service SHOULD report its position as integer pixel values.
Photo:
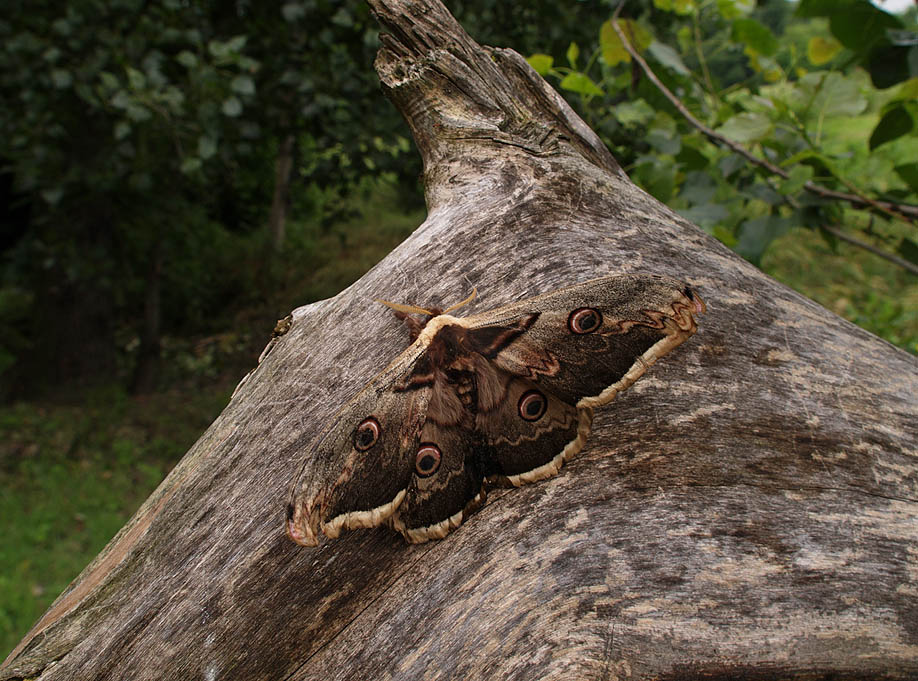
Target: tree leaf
(857, 24)
(136, 79)
(122, 130)
(573, 51)
(635, 112)
(705, 215)
(731, 9)
(190, 165)
(821, 50)
(677, 6)
(207, 147)
(542, 63)
(799, 176)
(581, 83)
(909, 174)
(908, 249)
(747, 127)
(756, 234)
(667, 56)
(894, 123)
(292, 11)
(61, 78)
(231, 107)
(244, 85)
(754, 35)
(613, 51)
(187, 59)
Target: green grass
(71, 476)
(853, 283)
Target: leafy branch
(898, 210)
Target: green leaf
(244, 85)
(894, 124)
(756, 36)
(667, 56)
(109, 80)
(542, 63)
(857, 24)
(677, 6)
(635, 112)
(62, 26)
(663, 135)
(731, 9)
(909, 174)
(573, 51)
(293, 11)
(231, 107)
(657, 177)
(756, 234)
(138, 112)
(889, 65)
(613, 51)
(821, 50)
(747, 127)
(581, 83)
(705, 215)
(191, 165)
(799, 176)
(122, 130)
(53, 194)
(61, 78)
(908, 249)
(136, 79)
(187, 59)
(207, 147)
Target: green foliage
(807, 101)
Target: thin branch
(899, 210)
(895, 259)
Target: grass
(71, 476)
(857, 285)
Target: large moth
(499, 398)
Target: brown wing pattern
(504, 397)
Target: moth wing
(357, 471)
(586, 343)
(517, 433)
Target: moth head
(415, 327)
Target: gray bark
(748, 509)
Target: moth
(500, 398)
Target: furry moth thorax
(500, 398)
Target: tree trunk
(150, 351)
(749, 509)
(277, 220)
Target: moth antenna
(463, 303)
(407, 309)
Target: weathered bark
(748, 509)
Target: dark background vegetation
(175, 175)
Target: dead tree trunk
(749, 509)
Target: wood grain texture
(749, 509)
